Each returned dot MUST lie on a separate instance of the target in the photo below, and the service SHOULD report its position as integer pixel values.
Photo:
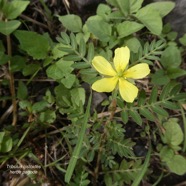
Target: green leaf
(100, 28)
(182, 40)
(39, 106)
(177, 165)
(71, 22)
(124, 116)
(59, 50)
(135, 5)
(147, 114)
(166, 154)
(174, 73)
(133, 44)
(3, 58)
(160, 111)
(47, 116)
(154, 95)
(151, 19)
(163, 8)
(123, 5)
(170, 105)
(5, 142)
(31, 69)
(22, 91)
(34, 44)
(68, 80)
(135, 116)
(59, 69)
(127, 28)
(17, 63)
(160, 78)
(78, 96)
(8, 27)
(173, 133)
(14, 8)
(171, 57)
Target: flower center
(120, 73)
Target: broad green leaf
(47, 116)
(127, 28)
(39, 106)
(34, 44)
(22, 91)
(177, 165)
(8, 27)
(103, 10)
(3, 58)
(171, 57)
(71, 22)
(17, 63)
(182, 40)
(173, 133)
(160, 77)
(2, 134)
(78, 96)
(151, 19)
(59, 70)
(133, 43)
(174, 73)
(135, 5)
(31, 69)
(123, 5)
(166, 154)
(163, 8)
(68, 80)
(14, 8)
(6, 143)
(100, 28)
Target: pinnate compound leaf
(34, 44)
(151, 19)
(136, 117)
(162, 7)
(147, 114)
(8, 27)
(71, 22)
(160, 111)
(14, 8)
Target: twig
(12, 86)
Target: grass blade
(75, 154)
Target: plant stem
(12, 85)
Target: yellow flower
(119, 74)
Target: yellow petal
(103, 66)
(105, 84)
(127, 90)
(137, 71)
(121, 58)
